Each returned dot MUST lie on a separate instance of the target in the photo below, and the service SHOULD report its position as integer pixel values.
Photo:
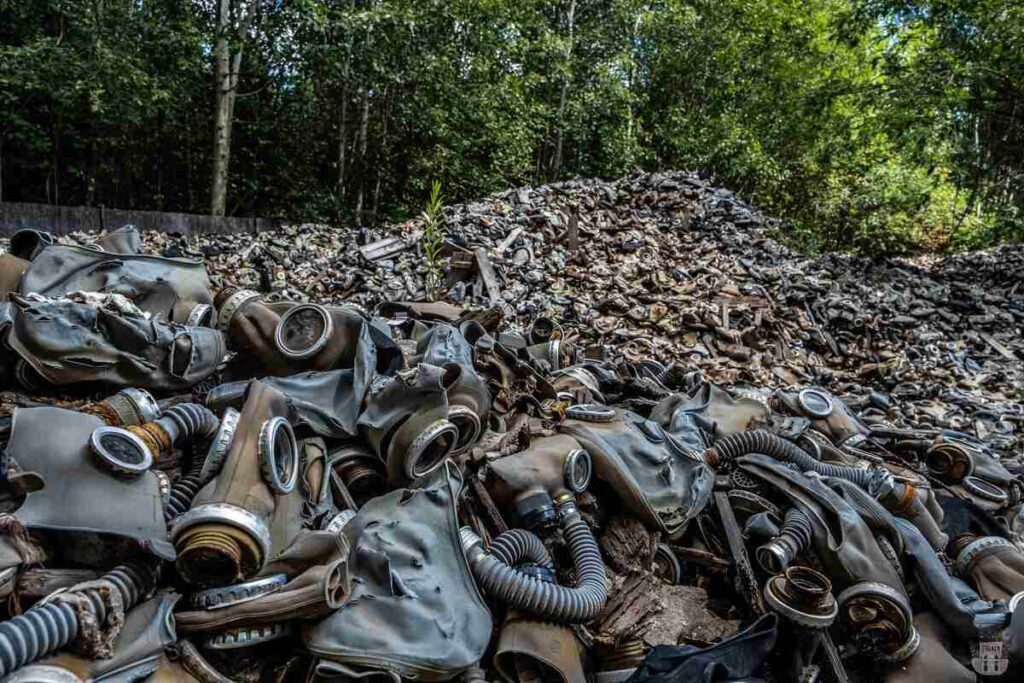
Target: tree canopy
(875, 126)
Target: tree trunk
(386, 114)
(221, 110)
(364, 123)
(342, 139)
(556, 163)
(633, 106)
(226, 68)
(56, 158)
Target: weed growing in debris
(433, 225)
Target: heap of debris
(667, 266)
(639, 441)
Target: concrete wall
(61, 220)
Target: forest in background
(872, 126)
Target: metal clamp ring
(554, 354)
(221, 444)
(247, 636)
(232, 305)
(143, 402)
(1011, 606)
(590, 412)
(280, 469)
(778, 601)
(224, 513)
(229, 596)
(414, 469)
(200, 316)
(337, 522)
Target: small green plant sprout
(433, 239)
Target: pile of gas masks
(214, 486)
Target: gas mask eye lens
(815, 403)
(578, 470)
(303, 331)
(984, 490)
(120, 451)
(279, 455)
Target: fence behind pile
(61, 220)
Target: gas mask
(643, 464)
(413, 608)
(993, 565)
(287, 338)
(828, 415)
(529, 482)
(307, 581)
(148, 630)
(709, 410)
(327, 402)
(171, 289)
(840, 535)
(973, 472)
(104, 339)
(469, 401)
(578, 384)
(531, 649)
(932, 661)
(405, 420)
(83, 465)
(254, 504)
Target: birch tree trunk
(226, 68)
(381, 158)
(364, 123)
(342, 139)
(556, 163)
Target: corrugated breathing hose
(178, 424)
(519, 545)
(793, 538)
(184, 491)
(188, 421)
(745, 443)
(899, 498)
(535, 596)
(43, 629)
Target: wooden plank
(744, 571)
(389, 246)
(999, 348)
(487, 274)
(507, 242)
(574, 232)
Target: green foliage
(433, 239)
(873, 126)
